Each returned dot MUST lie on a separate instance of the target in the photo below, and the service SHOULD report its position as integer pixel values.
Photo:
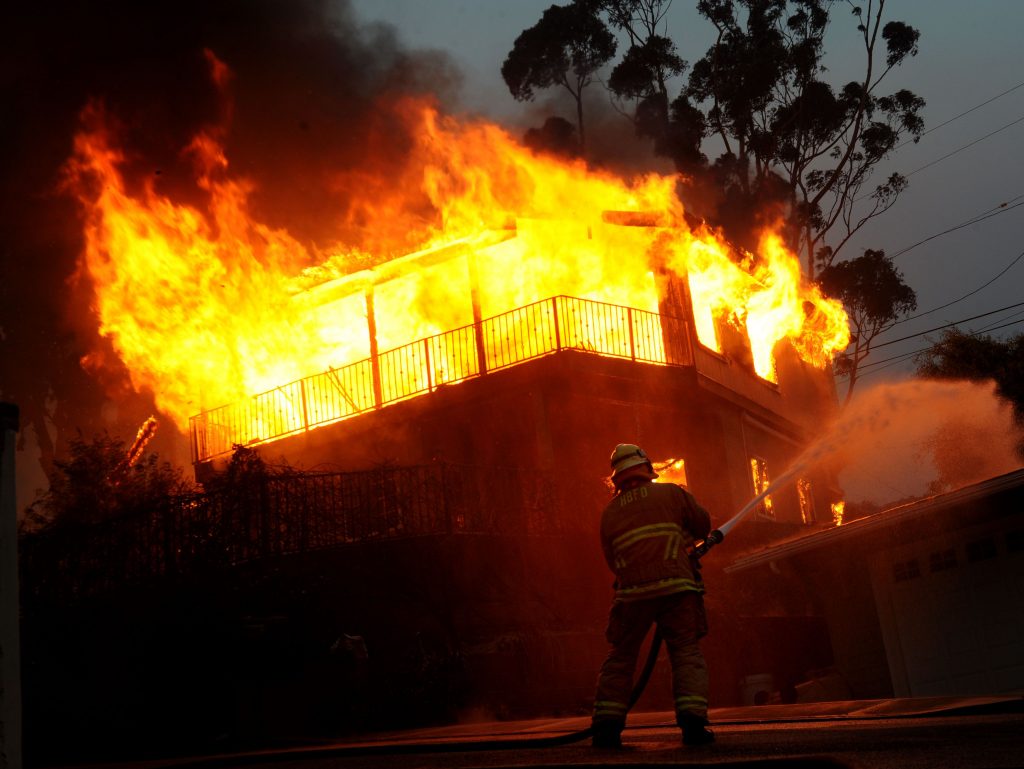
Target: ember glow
(207, 307)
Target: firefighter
(647, 531)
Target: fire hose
(466, 746)
(701, 549)
(717, 535)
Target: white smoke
(917, 437)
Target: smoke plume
(310, 91)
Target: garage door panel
(958, 615)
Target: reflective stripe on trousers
(680, 617)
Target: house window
(838, 510)
(981, 550)
(671, 471)
(943, 560)
(904, 570)
(759, 475)
(803, 492)
(704, 322)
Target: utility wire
(962, 114)
(1002, 208)
(916, 139)
(955, 323)
(966, 146)
(861, 373)
(1001, 323)
(992, 325)
(897, 358)
(965, 296)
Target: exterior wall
(564, 413)
(841, 584)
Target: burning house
(546, 312)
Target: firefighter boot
(695, 731)
(607, 734)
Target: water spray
(850, 421)
(717, 535)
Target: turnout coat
(646, 534)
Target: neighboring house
(922, 599)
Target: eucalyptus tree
(565, 48)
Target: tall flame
(206, 307)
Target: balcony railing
(520, 335)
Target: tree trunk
(579, 123)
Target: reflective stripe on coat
(646, 534)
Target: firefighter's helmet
(626, 456)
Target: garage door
(952, 615)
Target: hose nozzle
(712, 539)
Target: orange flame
(671, 471)
(207, 307)
(142, 437)
(838, 509)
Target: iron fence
(287, 514)
(514, 337)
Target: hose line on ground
(466, 746)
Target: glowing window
(671, 471)
(838, 509)
(803, 491)
(759, 475)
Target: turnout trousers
(682, 622)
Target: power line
(897, 358)
(965, 296)
(917, 139)
(1002, 208)
(947, 325)
(962, 114)
(992, 326)
(966, 146)
(923, 349)
(984, 329)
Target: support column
(478, 326)
(371, 323)
(10, 643)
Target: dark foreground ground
(975, 733)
